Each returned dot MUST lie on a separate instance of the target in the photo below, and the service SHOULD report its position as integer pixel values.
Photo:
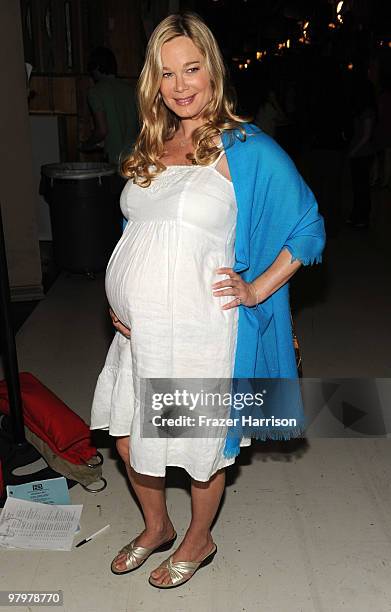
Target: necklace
(184, 142)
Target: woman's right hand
(125, 331)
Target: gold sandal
(136, 555)
(177, 569)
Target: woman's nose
(180, 84)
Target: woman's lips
(185, 101)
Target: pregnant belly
(153, 272)
(137, 277)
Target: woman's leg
(205, 501)
(150, 491)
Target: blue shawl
(276, 210)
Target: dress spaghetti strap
(214, 164)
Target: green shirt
(116, 98)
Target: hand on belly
(118, 324)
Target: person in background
(362, 150)
(270, 115)
(382, 166)
(328, 125)
(113, 105)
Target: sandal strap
(131, 548)
(178, 569)
(134, 554)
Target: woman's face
(185, 86)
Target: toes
(120, 567)
(157, 573)
(119, 563)
(161, 576)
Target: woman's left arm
(251, 294)
(281, 228)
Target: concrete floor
(301, 531)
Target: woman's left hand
(243, 293)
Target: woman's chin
(188, 113)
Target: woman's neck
(187, 126)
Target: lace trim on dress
(168, 177)
(175, 173)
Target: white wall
(17, 184)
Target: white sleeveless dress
(159, 283)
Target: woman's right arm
(125, 331)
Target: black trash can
(85, 214)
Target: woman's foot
(149, 538)
(192, 548)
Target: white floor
(303, 532)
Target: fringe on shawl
(306, 261)
(232, 448)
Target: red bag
(52, 420)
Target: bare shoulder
(222, 164)
(222, 167)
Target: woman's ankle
(198, 535)
(160, 527)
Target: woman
(200, 176)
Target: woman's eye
(166, 74)
(194, 69)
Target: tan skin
(186, 78)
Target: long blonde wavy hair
(159, 123)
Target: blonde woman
(218, 221)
